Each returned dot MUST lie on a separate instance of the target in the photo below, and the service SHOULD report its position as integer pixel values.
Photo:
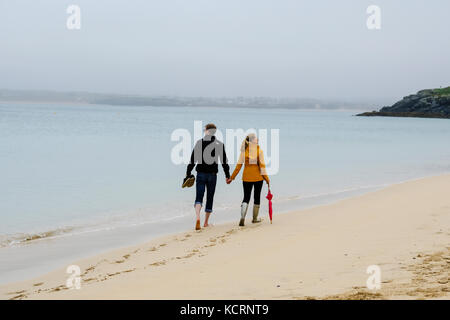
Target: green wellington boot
(244, 207)
(255, 213)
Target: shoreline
(173, 261)
(119, 236)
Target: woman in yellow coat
(252, 158)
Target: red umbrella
(269, 197)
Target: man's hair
(211, 128)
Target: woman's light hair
(250, 137)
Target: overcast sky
(294, 48)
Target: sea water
(76, 180)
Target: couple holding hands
(207, 153)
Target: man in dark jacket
(207, 153)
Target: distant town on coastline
(176, 101)
(429, 103)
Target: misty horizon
(203, 49)
(125, 94)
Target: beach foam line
(324, 194)
(23, 238)
(354, 189)
(26, 238)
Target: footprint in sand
(127, 271)
(125, 257)
(18, 297)
(152, 249)
(92, 268)
(158, 263)
(113, 274)
(120, 272)
(189, 255)
(38, 284)
(186, 237)
(16, 292)
(58, 288)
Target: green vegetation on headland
(441, 91)
(430, 103)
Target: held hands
(228, 180)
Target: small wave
(23, 238)
(115, 222)
(137, 219)
(331, 193)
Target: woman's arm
(238, 165)
(262, 166)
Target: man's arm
(192, 161)
(224, 160)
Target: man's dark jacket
(207, 153)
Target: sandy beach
(318, 253)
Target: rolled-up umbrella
(269, 197)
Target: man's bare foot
(197, 225)
(207, 225)
(207, 215)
